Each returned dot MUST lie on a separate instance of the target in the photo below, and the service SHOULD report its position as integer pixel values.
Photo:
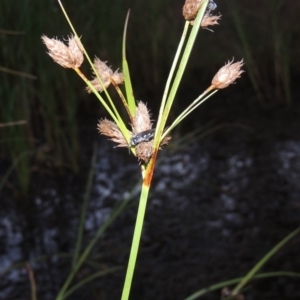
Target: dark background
(220, 200)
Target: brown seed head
(117, 77)
(106, 74)
(97, 85)
(102, 68)
(210, 20)
(227, 74)
(144, 151)
(191, 8)
(141, 120)
(70, 56)
(110, 129)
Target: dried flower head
(227, 74)
(210, 20)
(111, 129)
(142, 135)
(70, 56)
(142, 123)
(141, 120)
(106, 74)
(144, 150)
(191, 8)
(117, 78)
(104, 71)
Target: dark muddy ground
(217, 205)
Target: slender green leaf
(260, 264)
(128, 85)
(226, 283)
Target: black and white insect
(210, 7)
(144, 136)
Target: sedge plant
(143, 139)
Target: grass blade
(226, 283)
(128, 85)
(259, 265)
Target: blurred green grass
(264, 33)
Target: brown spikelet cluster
(191, 8)
(190, 11)
(141, 122)
(70, 56)
(110, 129)
(227, 74)
(209, 20)
(144, 150)
(106, 74)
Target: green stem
(171, 74)
(115, 114)
(117, 117)
(259, 265)
(187, 111)
(135, 241)
(222, 284)
(186, 54)
(128, 85)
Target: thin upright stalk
(188, 110)
(227, 283)
(259, 265)
(173, 67)
(126, 72)
(114, 112)
(136, 240)
(162, 119)
(32, 281)
(166, 104)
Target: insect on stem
(144, 136)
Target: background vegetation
(51, 100)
